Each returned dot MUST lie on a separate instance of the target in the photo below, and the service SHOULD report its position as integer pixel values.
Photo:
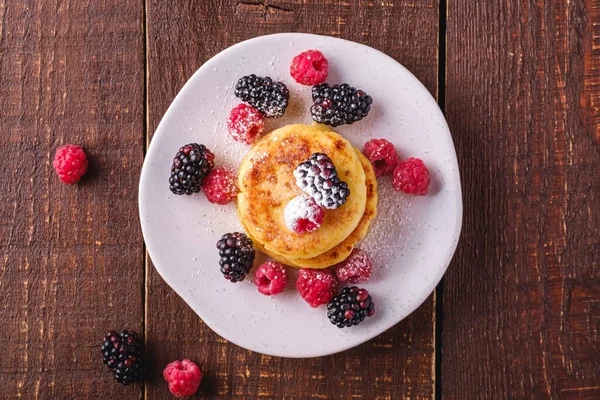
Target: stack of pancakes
(266, 182)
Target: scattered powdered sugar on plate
(387, 235)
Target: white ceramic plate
(411, 241)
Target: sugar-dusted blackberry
(268, 97)
(124, 354)
(190, 166)
(237, 255)
(350, 307)
(339, 104)
(318, 177)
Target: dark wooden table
(518, 313)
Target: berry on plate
(190, 166)
(318, 177)
(382, 155)
(183, 377)
(245, 124)
(268, 97)
(237, 256)
(350, 307)
(302, 214)
(411, 176)
(309, 68)
(124, 354)
(220, 186)
(70, 163)
(356, 268)
(316, 286)
(270, 278)
(339, 104)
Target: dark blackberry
(350, 307)
(339, 104)
(318, 177)
(268, 97)
(237, 255)
(124, 354)
(190, 166)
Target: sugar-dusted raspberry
(382, 155)
(220, 186)
(271, 278)
(245, 124)
(183, 377)
(316, 286)
(302, 214)
(411, 176)
(356, 268)
(70, 163)
(309, 68)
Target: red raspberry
(356, 268)
(382, 155)
(271, 278)
(219, 186)
(309, 68)
(70, 163)
(302, 214)
(411, 176)
(316, 286)
(245, 124)
(183, 377)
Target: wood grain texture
(522, 299)
(72, 256)
(183, 35)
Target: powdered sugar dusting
(388, 236)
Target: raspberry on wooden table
(183, 377)
(302, 214)
(316, 286)
(270, 278)
(382, 155)
(356, 268)
(220, 186)
(411, 176)
(309, 68)
(245, 124)
(70, 163)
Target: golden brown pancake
(267, 184)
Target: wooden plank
(522, 301)
(181, 36)
(72, 256)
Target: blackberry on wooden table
(318, 177)
(190, 166)
(123, 353)
(268, 97)
(339, 104)
(350, 307)
(237, 256)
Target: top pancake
(267, 184)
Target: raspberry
(183, 377)
(271, 278)
(411, 176)
(245, 124)
(70, 163)
(309, 68)
(382, 155)
(219, 186)
(316, 286)
(356, 268)
(302, 214)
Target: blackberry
(339, 104)
(237, 255)
(124, 354)
(190, 166)
(268, 97)
(318, 177)
(350, 307)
